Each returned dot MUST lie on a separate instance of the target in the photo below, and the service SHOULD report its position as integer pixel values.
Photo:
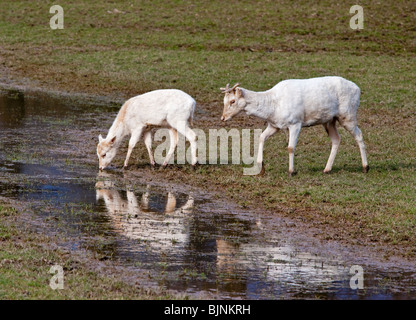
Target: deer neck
(259, 104)
(117, 130)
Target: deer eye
(103, 156)
(232, 101)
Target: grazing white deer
(293, 104)
(169, 108)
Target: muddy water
(182, 239)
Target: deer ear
(238, 92)
(100, 138)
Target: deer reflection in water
(157, 221)
(136, 219)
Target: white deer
(293, 104)
(169, 108)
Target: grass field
(199, 46)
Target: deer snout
(222, 118)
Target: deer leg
(148, 143)
(358, 136)
(191, 136)
(269, 131)
(173, 143)
(336, 140)
(352, 128)
(135, 137)
(294, 131)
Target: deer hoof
(292, 173)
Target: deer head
(234, 101)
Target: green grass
(199, 46)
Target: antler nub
(228, 89)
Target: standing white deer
(293, 104)
(169, 108)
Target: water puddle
(184, 240)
